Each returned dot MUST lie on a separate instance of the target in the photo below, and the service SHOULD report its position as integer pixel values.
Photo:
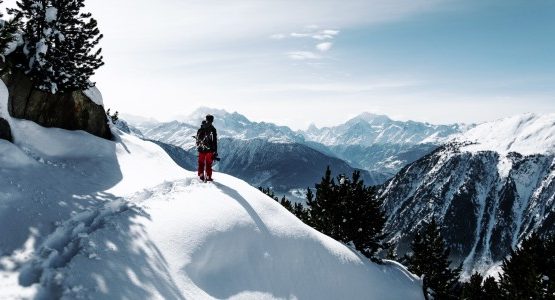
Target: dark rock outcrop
(5, 131)
(68, 110)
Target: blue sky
(323, 61)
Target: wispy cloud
(303, 55)
(314, 32)
(323, 47)
(278, 36)
(310, 31)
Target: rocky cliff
(68, 110)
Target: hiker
(207, 146)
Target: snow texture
(12, 46)
(526, 134)
(51, 14)
(94, 94)
(86, 218)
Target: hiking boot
(209, 179)
(201, 177)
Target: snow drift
(83, 217)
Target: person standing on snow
(207, 146)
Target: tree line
(350, 212)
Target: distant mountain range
(489, 188)
(377, 143)
(374, 143)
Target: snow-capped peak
(525, 134)
(371, 118)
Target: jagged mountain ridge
(229, 125)
(368, 129)
(376, 142)
(487, 196)
(371, 142)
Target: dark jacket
(207, 138)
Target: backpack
(204, 139)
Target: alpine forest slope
(489, 188)
(85, 217)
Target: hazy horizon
(185, 117)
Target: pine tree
(297, 209)
(521, 277)
(430, 259)
(392, 254)
(364, 219)
(472, 290)
(287, 204)
(348, 212)
(300, 212)
(548, 270)
(268, 191)
(529, 271)
(59, 43)
(491, 289)
(8, 30)
(321, 207)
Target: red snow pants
(205, 160)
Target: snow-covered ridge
(229, 125)
(526, 134)
(369, 129)
(489, 187)
(83, 217)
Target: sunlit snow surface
(526, 134)
(82, 217)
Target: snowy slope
(489, 187)
(525, 134)
(86, 218)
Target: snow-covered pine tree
(430, 257)
(348, 212)
(60, 44)
(8, 29)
